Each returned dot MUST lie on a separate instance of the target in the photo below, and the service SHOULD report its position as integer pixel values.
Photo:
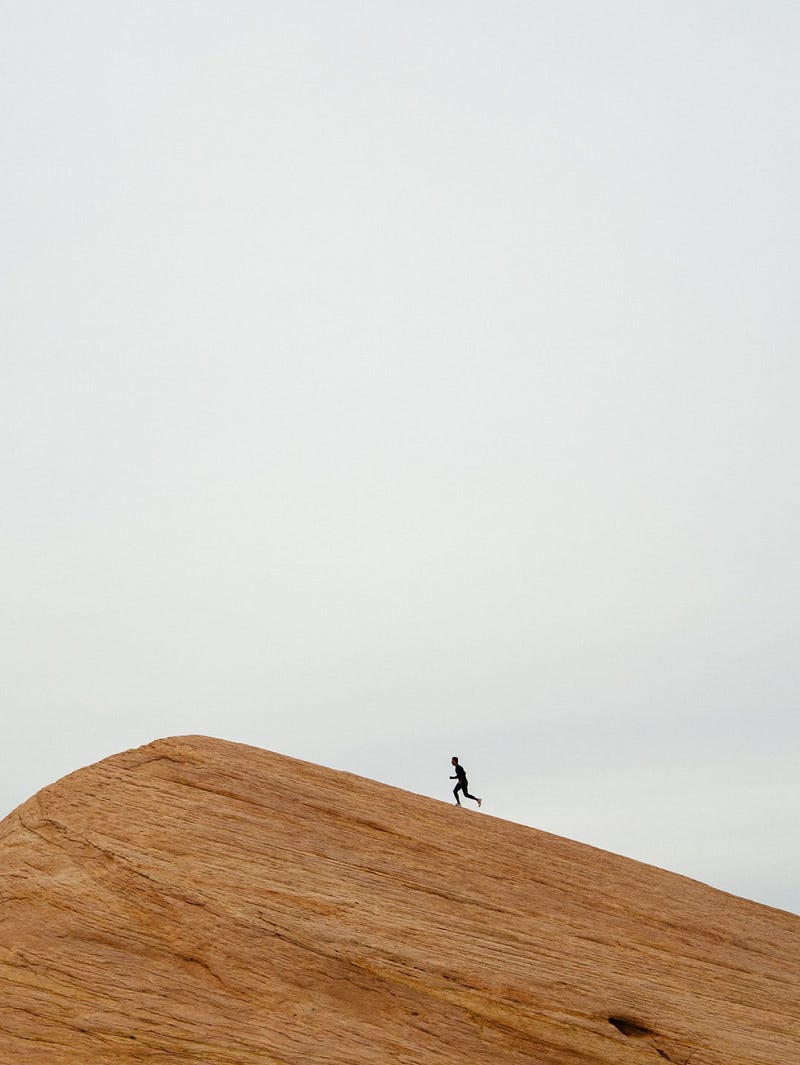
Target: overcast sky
(387, 381)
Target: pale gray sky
(387, 381)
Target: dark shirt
(461, 773)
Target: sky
(388, 381)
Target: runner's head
(454, 760)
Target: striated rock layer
(202, 901)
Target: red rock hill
(201, 901)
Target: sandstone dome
(199, 901)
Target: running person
(461, 777)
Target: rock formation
(205, 902)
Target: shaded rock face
(202, 901)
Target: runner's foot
(480, 803)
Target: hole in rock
(630, 1028)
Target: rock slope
(201, 901)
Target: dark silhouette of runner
(461, 777)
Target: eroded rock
(201, 901)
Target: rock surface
(201, 901)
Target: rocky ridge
(197, 901)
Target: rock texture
(201, 901)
